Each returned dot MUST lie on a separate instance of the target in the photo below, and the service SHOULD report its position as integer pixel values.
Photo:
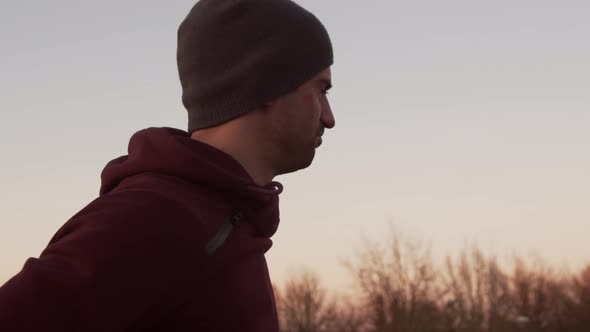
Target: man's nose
(327, 118)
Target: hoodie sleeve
(120, 262)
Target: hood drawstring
(223, 233)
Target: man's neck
(239, 149)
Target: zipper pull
(223, 233)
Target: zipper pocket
(223, 233)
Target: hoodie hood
(172, 152)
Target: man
(176, 239)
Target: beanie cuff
(201, 119)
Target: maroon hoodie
(175, 242)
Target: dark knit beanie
(235, 55)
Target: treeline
(399, 288)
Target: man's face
(298, 122)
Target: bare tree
(544, 297)
(579, 319)
(476, 293)
(400, 289)
(348, 316)
(303, 305)
(397, 284)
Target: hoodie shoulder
(134, 213)
(123, 256)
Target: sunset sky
(458, 122)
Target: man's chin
(298, 164)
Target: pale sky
(457, 121)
